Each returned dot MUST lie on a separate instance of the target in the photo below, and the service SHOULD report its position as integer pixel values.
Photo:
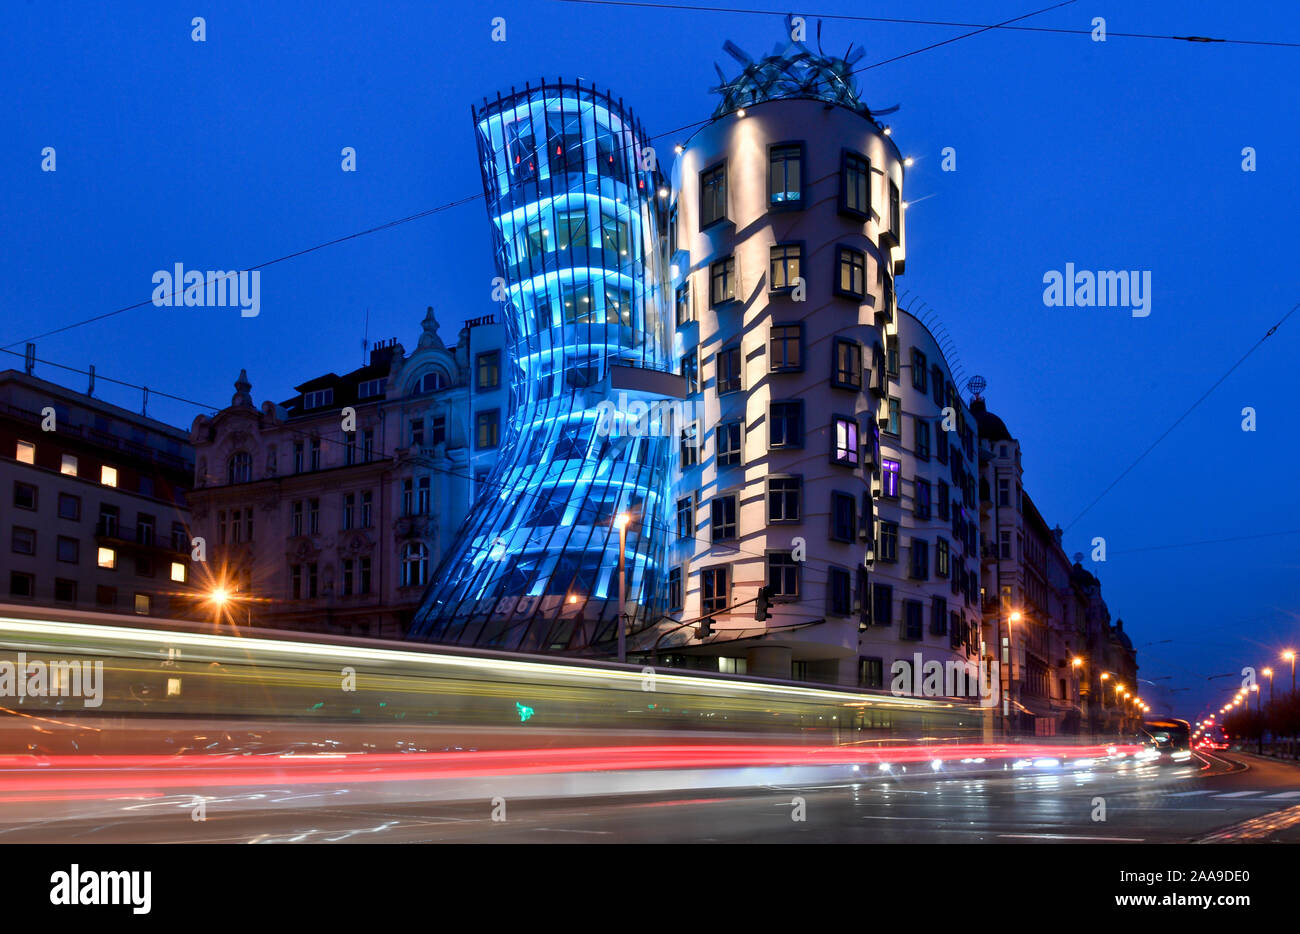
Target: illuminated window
(108, 475)
(889, 478)
(784, 174)
(848, 365)
(26, 452)
(173, 687)
(143, 603)
(846, 442)
(851, 277)
(786, 261)
(487, 429)
(178, 572)
(107, 558)
(488, 367)
(69, 465)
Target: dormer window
(318, 398)
(371, 388)
(433, 381)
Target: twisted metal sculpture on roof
(794, 71)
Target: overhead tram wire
(695, 8)
(1178, 421)
(474, 197)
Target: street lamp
(1268, 673)
(620, 523)
(1289, 656)
(1004, 648)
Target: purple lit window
(889, 472)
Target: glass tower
(571, 190)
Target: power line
(1178, 421)
(1208, 541)
(930, 22)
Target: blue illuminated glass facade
(572, 195)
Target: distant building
(95, 513)
(330, 521)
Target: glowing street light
(620, 523)
(1289, 656)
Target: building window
(487, 429)
(178, 572)
(372, 387)
(349, 504)
(143, 604)
(839, 592)
(938, 616)
(941, 558)
(722, 524)
(366, 499)
(313, 517)
(295, 580)
(65, 591)
(488, 368)
(347, 565)
(684, 312)
(913, 621)
(844, 517)
(783, 499)
(713, 195)
(943, 498)
(675, 588)
(315, 453)
(895, 212)
(295, 520)
(871, 672)
(417, 432)
(919, 567)
(69, 465)
(1004, 544)
(25, 495)
(941, 445)
(1004, 491)
(26, 452)
(368, 445)
(240, 469)
(891, 355)
(690, 367)
(936, 380)
(107, 558)
(784, 179)
(786, 353)
(882, 604)
(69, 506)
(851, 272)
(785, 425)
(108, 475)
(69, 550)
(722, 281)
(313, 580)
(782, 574)
(23, 541)
(689, 445)
(888, 550)
(433, 381)
(314, 400)
(23, 586)
(786, 263)
(890, 472)
(686, 517)
(894, 417)
(714, 590)
(298, 449)
(921, 499)
(727, 365)
(415, 564)
(728, 437)
(921, 430)
(408, 496)
(845, 451)
(855, 196)
(918, 371)
(423, 499)
(848, 365)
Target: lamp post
(1289, 656)
(620, 522)
(1268, 673)
(1005, 649)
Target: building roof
(991, 428)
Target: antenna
(365, 341)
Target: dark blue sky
(1117, 155)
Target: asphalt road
(1219, 798)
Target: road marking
(564, 830)
(1283, 795)
(1188, 794)
(1066, 836)
(1238, 794)
(882, 817)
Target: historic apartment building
(327, 511)
(95, 513)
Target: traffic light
(761, 606)
(706, 627)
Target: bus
(1171, 739)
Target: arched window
(240, 469)
(415, 565)
(433, 381)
